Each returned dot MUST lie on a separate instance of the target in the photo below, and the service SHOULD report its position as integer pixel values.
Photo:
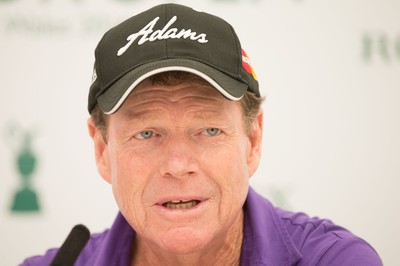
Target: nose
(179, 155)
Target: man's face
(179, 161)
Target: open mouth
(181, 204)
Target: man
(177, 125)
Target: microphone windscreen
(72, 246)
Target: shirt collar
(266, 240)
(116, 246)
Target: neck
(225, 251)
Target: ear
(255, 144)
(100, 149)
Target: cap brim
(112, 99)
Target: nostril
(178, 167)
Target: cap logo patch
(247, 65)
(147, 34)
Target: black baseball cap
(169, 37)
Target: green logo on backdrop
(380, 46)
(25, 198)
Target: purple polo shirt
(271, 237)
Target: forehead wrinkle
(205, 115)
(176, 93)
(192, 111)
(153, 99)
(133, 114)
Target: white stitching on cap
(166, 69)
(94, 76)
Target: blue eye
(212, 131)
(145, 134)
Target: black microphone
(72, 246)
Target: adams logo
(148, 34)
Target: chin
(185, 241)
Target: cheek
(228, 168)
(127, 185)
(233, 160)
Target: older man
(177, 125)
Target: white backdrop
(331, 74)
